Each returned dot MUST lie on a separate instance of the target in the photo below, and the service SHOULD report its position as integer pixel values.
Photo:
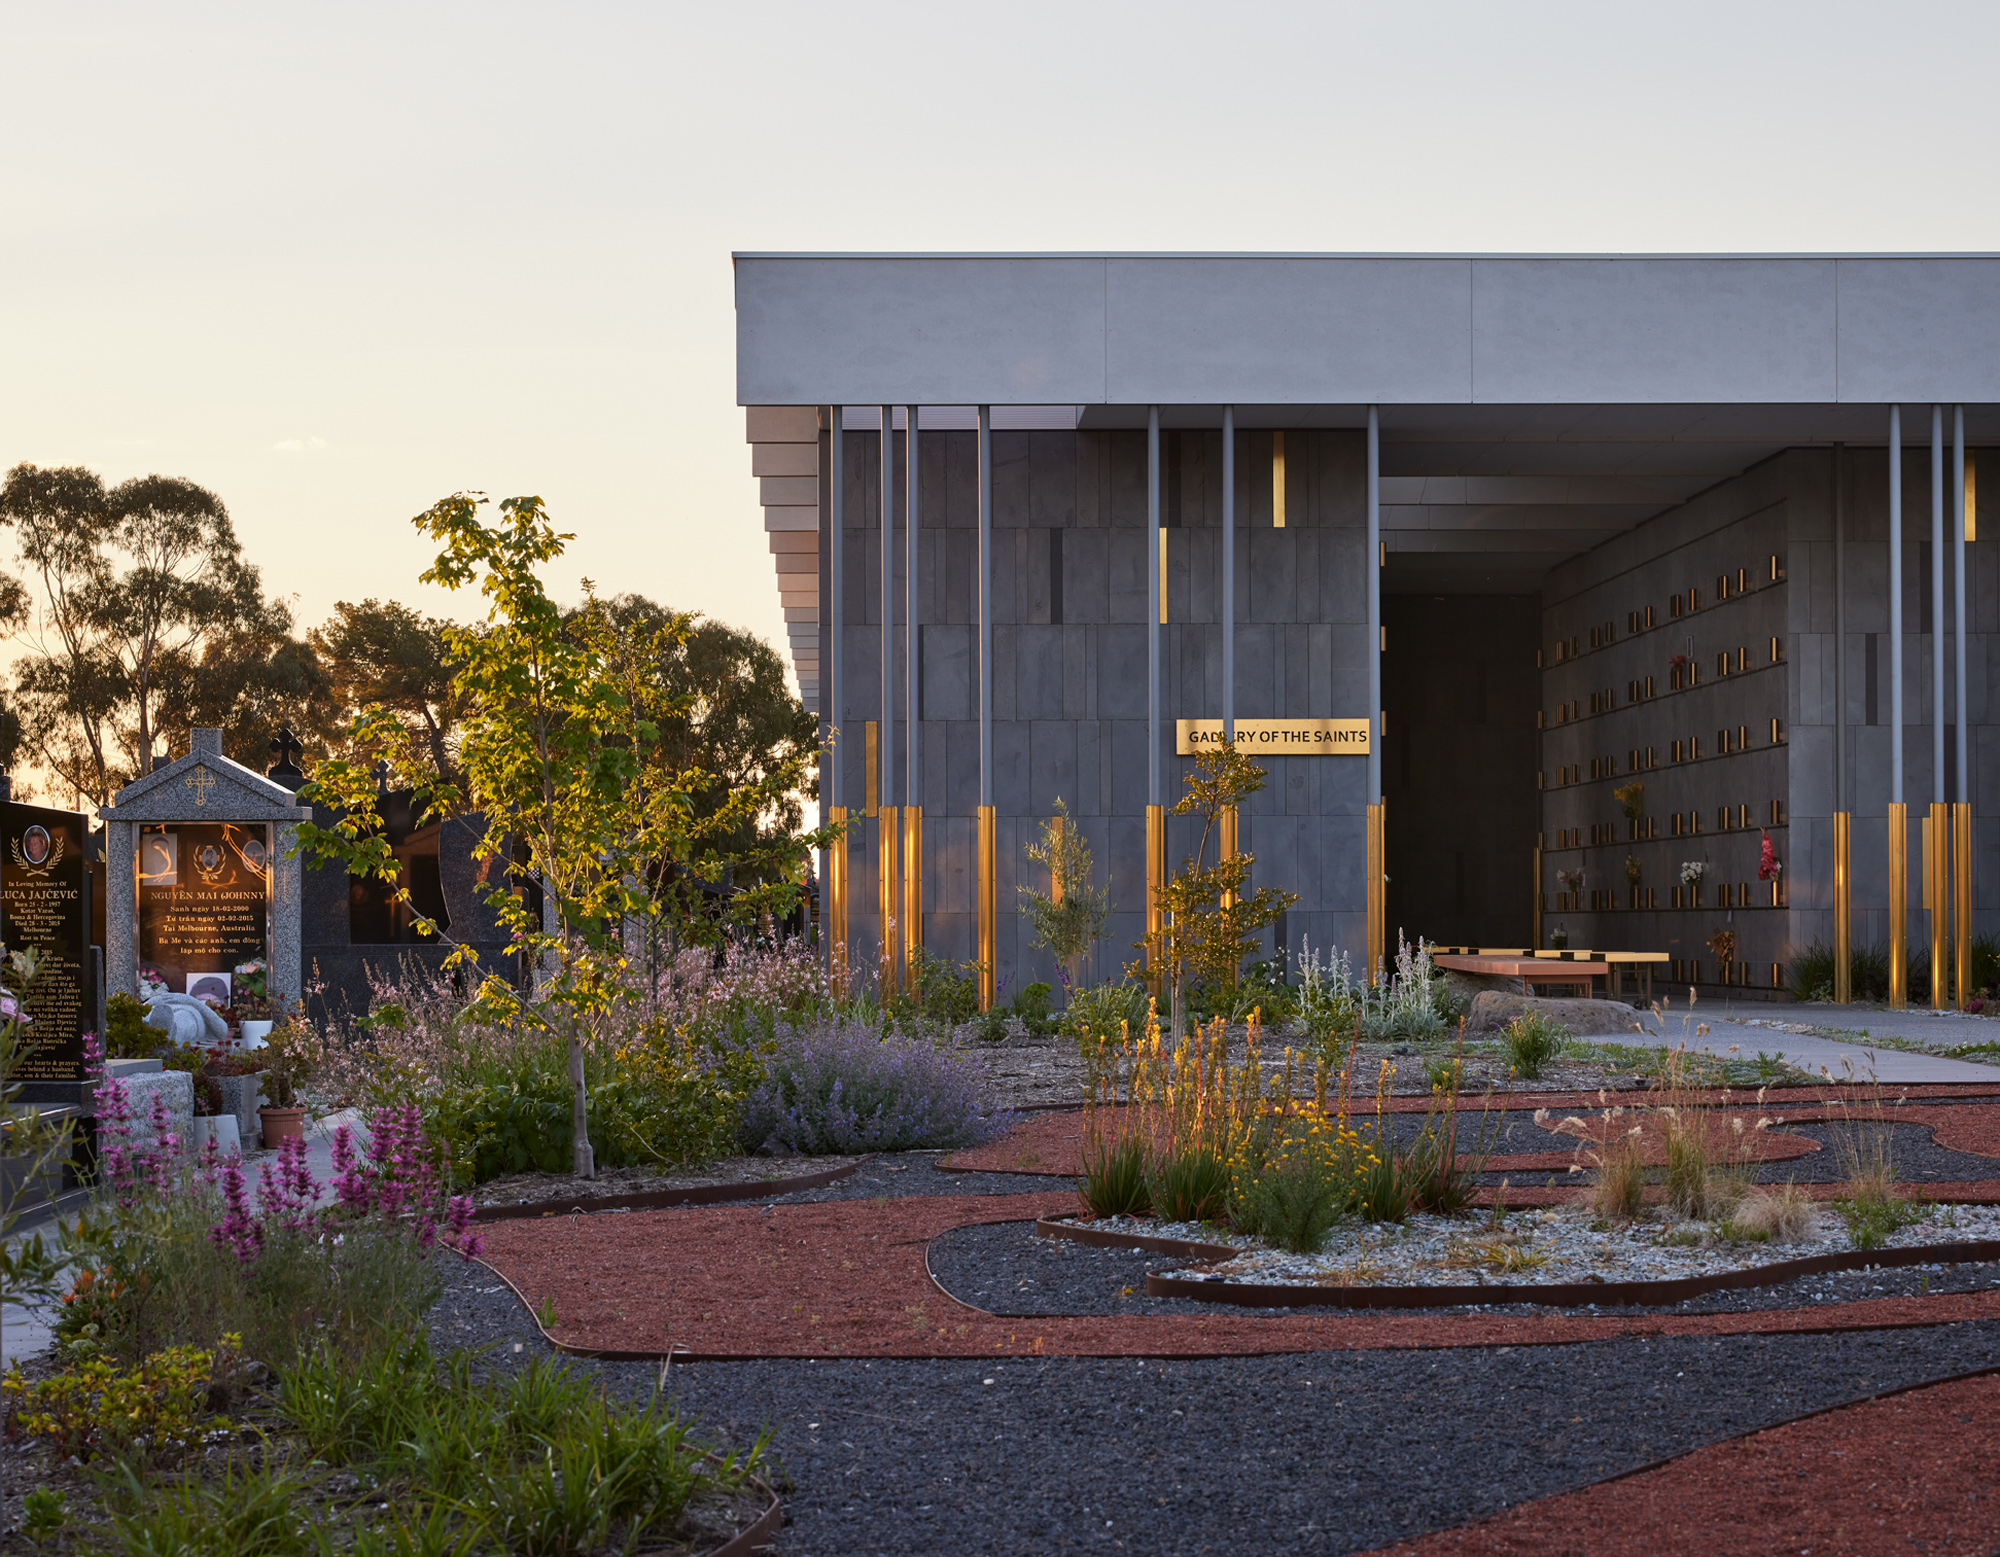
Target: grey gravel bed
(1917, 1158)
(896, 1174)
(1322, 1452)
(1005, 1269)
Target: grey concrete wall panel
(1215, 330)
(1556, 331)
(870, 331)
(1919, 330)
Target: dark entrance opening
(1459, 691)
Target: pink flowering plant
(178, 1249)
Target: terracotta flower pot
(283, 1124)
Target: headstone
(45, 905)
(202, 878)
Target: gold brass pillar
(1899, 905)
(1228, 822)
(987, 926)
(1937, 893)
(1377, 896)
(1156, 885)
(913, 890)
(836, 900)
(1843, 912)
(1961, 880)
(1056, 825)
(888, 899)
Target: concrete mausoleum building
(1502, 537)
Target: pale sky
(338, 261)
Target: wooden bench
(1551, 968)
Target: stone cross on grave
(286, 749)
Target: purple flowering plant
(836, 1085)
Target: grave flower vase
(252, 1034)
(282, 1124)
(222, 1130)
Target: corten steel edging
(760, 1534)
(1103, 1238)
(655, 1199)
(1569, 1294)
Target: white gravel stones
(1561, 1244)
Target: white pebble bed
(1557, 1244)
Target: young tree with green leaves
(1069, 918)
(555, 758)
(1211, 921)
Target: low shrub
(1872, 1213)
(1326, 1002)
(157, 1411)
(246, 1510)
(1782, 1213)
(1295, 1202)
(1532, 1041)
(127, 1034)
(835, 1085)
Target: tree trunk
(584, 1163)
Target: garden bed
(1560, 1256)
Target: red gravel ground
(1053, 1143)
(848, 1278)
(1913, 1472)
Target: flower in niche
(1768, 863)
(1632, 870)
(1572, 880)
(1692, 871)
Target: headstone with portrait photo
(45, 909)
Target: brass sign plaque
(1278, 737)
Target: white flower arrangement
(1692, 871)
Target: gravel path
(1326, 1452)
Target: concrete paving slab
(1808, 1051)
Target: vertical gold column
(1377, 904)
(1228, 823)
(888, 899)
(1899, 905)
(1937, 892)
(913, 890)
(1056, 826)
(987, 927)
(1156, 884)
(1843, 911)
(836, 900)
(1961, 913)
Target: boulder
(1494, 1009)
(185, 1019)
(1470, 986)
(175, 1090)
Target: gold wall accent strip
(1937, 892)
(873, 775)
(1899, 905)
(1278, 481)
(836, 901)
(1228, 821)
(913, 889)
(1961, 876)
(1055, 881)
(988, 859)
(888, 899)
(1377, 896)
(1971, 500)
(1163, 575)
(1156, 884)
(1843, 909)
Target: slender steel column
(1961, 810)
(1899, 820)
(1374, 576)
(1377, 829)
(1959, 791)
(913, 742)
(1229, 573)
(835, 684)
(1154, 584)
(1843, 907)
(1156, 816)
(987, 844)
(913, 746)
(1938, 785)
(885, 750)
